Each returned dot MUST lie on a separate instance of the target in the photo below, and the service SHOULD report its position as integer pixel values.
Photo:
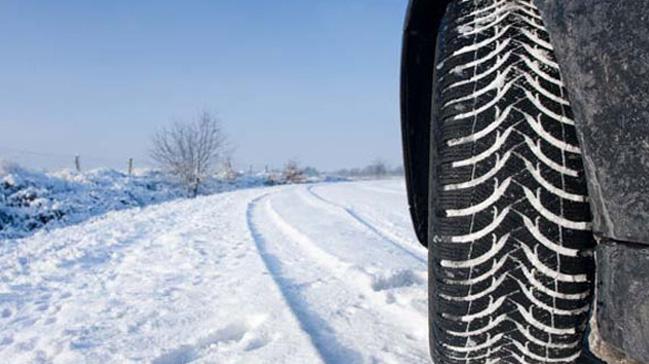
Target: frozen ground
(293, 274)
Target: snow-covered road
(327, 273)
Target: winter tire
(510, 241)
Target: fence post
(130, 166)
(77, 163)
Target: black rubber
(510, 242)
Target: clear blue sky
(313, 80)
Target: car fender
(418, 55)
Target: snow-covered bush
(30, 201)
(293, 173)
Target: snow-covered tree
(293, 173)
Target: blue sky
(312, 80)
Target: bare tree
(190, 151)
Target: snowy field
(326, 273)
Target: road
(326, 273)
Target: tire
(510, 250)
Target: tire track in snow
(364, 281)
(360, 278)
(352, 287)
(320, 333)
(383, 234)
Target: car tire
(510, 243)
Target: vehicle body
(602, 48)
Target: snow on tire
(511, 268)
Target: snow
(31, 201)
(321, 273)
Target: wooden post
(130, 166)
(77, 163)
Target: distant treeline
(377, 169)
